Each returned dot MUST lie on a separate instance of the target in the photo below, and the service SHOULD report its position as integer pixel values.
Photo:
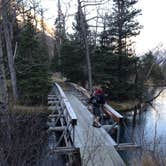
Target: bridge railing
(116, 116)
(66, 116)
(117, 121)
(68, 111)
(107, 109)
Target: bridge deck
(96, 146)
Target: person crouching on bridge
(97, 100)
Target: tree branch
(92, 18)
(149, 101)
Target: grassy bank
(123, 106)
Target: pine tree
(123, 26)
(72, 51)
(73, 61)
(32, 66)
(150, 69)
(116, 48)
(60, 36)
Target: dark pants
(96, 111)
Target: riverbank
(128, 105)
(23, 137)
(124, 106)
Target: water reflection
(150, 127)
(156, 121)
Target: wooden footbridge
(73, 120)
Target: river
(150, 129)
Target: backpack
(94, 100)
(100, 99)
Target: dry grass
(122, 106)
(56, 77)
(148, 160)
(28, 109)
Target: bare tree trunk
(88, 64)
(84, 33)
(9, 52)
(59, 40)
(59, 35)
(4, 117)
(3, 86)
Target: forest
(31, 59)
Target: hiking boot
(98, 124)
(95, 124)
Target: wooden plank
(81, 89)
(52, 102)
(71, 113)
(69, 109)
(52, 108)
(111, 115)
(96, 146)
(52, 96)
(55, 116)
(111, 112)
(108, 109)
(57, 128)
(65, 150)
(127, 146)
(52, 99)
(62, 94)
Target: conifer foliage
(122, 26)
(116, 54)
(32, 66)
(73, 61)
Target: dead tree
(34, 6)
(60, 32)
(4, 114)
(3, 85)
(42, 22)
(6, 25)
(85, 39)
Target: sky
(153, 20)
